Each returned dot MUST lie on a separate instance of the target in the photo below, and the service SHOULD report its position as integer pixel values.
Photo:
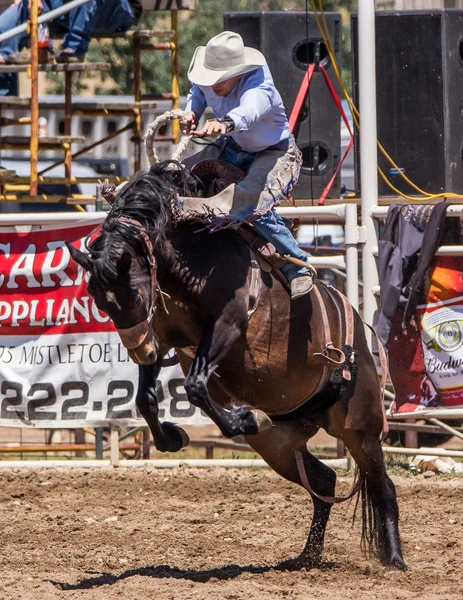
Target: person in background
(78, 25)
(250, 119)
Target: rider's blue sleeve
(255, 103)
(196, 101)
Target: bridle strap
(132, 337)
(151, 259)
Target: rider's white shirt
(255, 106)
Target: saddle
(216, 175)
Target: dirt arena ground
(212, 535)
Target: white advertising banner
(62, 364)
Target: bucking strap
(328, 499)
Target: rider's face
(225, 87)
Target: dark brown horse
(263, 376)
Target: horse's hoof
(254, 421)
(177, 438)
(263, 421)
(398, 564)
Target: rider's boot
(300, 285)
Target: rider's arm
(256, 101)
(196, 101)
(195, 107)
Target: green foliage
(195, 28)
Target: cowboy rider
(250, 119)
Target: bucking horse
(257, 364)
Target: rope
(169, 115)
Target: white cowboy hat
(225, 56)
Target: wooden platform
(134, 34)
(19, 142)
(17, 102)
(7, 173)
(169, 4)
(58, 68)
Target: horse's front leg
(215, 344)
(167, 436)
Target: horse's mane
(146, 198)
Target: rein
(132, 337)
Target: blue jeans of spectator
(270, 226)
(96, 16)
(11, 17)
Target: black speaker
(419, 81)
(290, 41)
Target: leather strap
(329, 346)
(326, 335)
(254, 285)
(328, 499)
(349, 314)
(132, 337)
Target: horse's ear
(125, 261)
(81, 258)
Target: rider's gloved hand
(189, 123)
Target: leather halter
(132, 337)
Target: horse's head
(123, 283)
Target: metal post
(67, 129)
(146, 442)
(33, 73)
(368, 150)
(99, 443)
(114, 454)
(448, 428)
(351, 233)
(137, 124)
(411, 437)
(175, 84)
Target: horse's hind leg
(277, 447)
(381, 495)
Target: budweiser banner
(426, 358)
(61, 361)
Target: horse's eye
(138, 300)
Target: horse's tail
(369, 539)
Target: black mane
(146, 198)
